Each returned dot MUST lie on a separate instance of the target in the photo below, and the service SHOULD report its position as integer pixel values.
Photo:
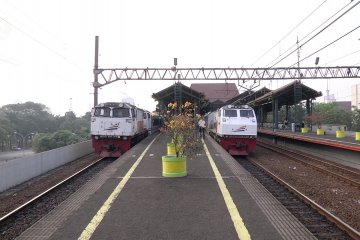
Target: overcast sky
(47, 47)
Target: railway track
(319, 221)
(338, 171)
(17, 220)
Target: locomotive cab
(115, 127)
(234, 127)
(238, 121)
(112, 120)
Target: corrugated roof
(168, 94)
(248, 96)
(216, 91)
(285, 96)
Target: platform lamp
(317, 60)
(174, 67)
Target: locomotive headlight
(96, 137)
(125, 137)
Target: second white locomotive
(234, 128)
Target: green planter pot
(320, 131)
(304, 130)
(340, 134)
(173, 166)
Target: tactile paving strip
(283, 221)
(46, 226)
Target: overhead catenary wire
(8, 61)
(40, 43)
(317, 34)
(297, 25)
(41, 27)
(327, 45)
(344, 56)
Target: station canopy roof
(285, 96)
(216, 92)
(167, 95)
(247, 96)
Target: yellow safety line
(96, 220)
(234, 213)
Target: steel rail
(337, 221)
(18, 209)
(292, 154)
(311, 157)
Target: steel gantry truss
(110, 75)
(281, 73)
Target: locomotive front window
(102, 112)
(133, 113)
(230, 113)
(246, 113)
(121, 112)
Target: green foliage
(356, 120)
(47, 141)
(181, 130)
(32, 118)
(29, 117)
(299, 117)
(323, 113)
(333, 114)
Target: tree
(355, 125)
(334, 114)
(317, 118)
(47, 141)
(28, 118)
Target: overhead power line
(326, 45)
(349, 54)
(297, 25)
(40, 43)
(317, 34)
(7, 61)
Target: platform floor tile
(283, 221)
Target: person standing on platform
(286, 123)
(202, 127)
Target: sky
(47, 47)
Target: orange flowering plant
(181, 129)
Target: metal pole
(96, 66)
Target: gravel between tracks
(337, 197)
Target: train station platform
(330, 140)
(130, 199)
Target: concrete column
(275, 113)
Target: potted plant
(185, 142)
(317, 118)
(355, 124)
(340, 133)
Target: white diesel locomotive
(117, 126)
(234, 128)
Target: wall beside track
(16, 171)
